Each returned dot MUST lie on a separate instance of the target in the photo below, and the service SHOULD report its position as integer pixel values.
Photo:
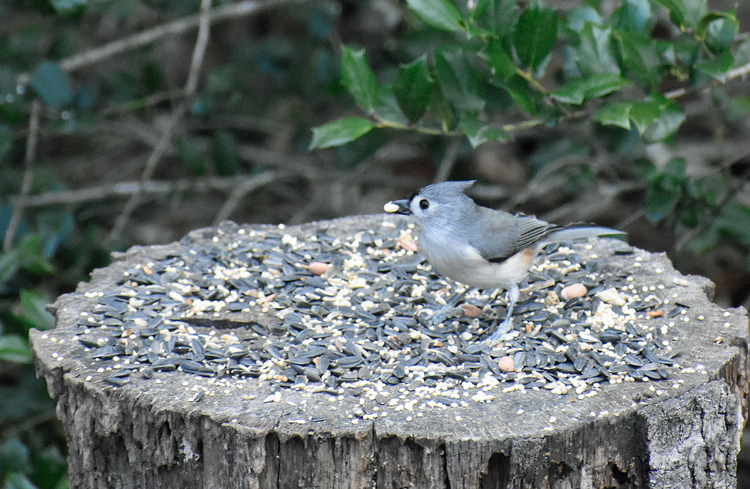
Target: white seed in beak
(390, 207)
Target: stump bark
(157, 432)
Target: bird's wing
(499, 235)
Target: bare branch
(738, 72)
(28, 174)
(239, 192)
(144, 38)
(204, 29)
(126, 189)
(165, 142)
(449, 160)
(204, 184)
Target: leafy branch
(612, 71)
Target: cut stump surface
(135, 420)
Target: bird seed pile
(366, 310)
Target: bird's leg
(448, 310)
(505, 326)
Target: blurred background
(129, 122)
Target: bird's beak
(398, 207)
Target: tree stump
(184, 366)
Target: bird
(481, 247)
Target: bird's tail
(579, 231)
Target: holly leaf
(497, 15)
(535, 33)
(500, 62)
(718, 67)
(459, 81)
(412, 88)
(667, 118)
(34, 310)
(686, 14)
(440, 14)
(640, 58)
(358, 78)
(51, 84)
(478, 132)
(719, 30)
(340, 131)
(615, 114)
(577, 90)
(15, 349)
(633, 15)
(594, 53)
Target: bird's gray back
(499, 235)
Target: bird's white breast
(460, 261)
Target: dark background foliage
(132, 122)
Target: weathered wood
(153, 433)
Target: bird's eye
(424, 204)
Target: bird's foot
(445, 312)
(499, 332)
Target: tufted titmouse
(482, 247)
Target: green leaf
(387, 108)
(34, 310)
(594, 53)
(340, 132)
(14, 456)
(6, 138)
(633, 15)
(190, 156)
(7, 82)
(686, 14)
(440, 14)
(656, 118)
(639, 58)
(497, 15)
(8, 267)
(479, 133)
(687, 52)
(662, 197)
(675, 168)
(51, 84)
(518, 89)
(221, 80)
(500, 62)
(734, 221)
(669, 121)
(719, 29)
(458, 80)
(55, 227)
(578, 17)
(535, 33)
(644, 114)
(66, 6)
(706, 239)
(412, 88)
(440, 107)
(16, 480)
(31, 258)
(15, 349)
(615, 114)
(50, 466)
(578, 90)
(226, 153)
(26, 255)
(713, 188)
(737, 108)
(742, 53)
(358, 78)
(718, 67)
